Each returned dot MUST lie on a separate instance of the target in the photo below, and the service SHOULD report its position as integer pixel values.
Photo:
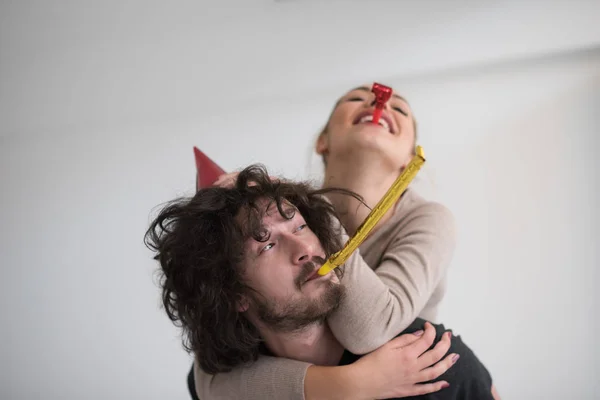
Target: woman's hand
(397, 368)
(228, 180)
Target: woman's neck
(370, 179)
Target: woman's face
(350, 130)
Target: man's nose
(301, 250)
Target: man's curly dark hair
(199, 243)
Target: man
(240, 276)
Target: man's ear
(243, 304)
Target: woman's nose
(373, 102)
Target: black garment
(192, 384)
(468, 378)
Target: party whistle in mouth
(382, 95)
(386, 202)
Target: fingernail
(449, 334)
(445, 385)
(455, 358)
(418, 333)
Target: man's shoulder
(468, 378)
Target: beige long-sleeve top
(397, 275)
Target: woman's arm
(268, 377)
(281, 378)
(394, 370)
(381, 303)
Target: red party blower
(382, 95)
(207, 171)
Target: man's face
(283, 272)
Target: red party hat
(207, 171)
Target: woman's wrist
(339, 382)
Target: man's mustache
(308, 268)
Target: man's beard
(298, 314)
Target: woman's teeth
(369, 118)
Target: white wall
(514, 153)
(100, 105)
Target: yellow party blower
(387, 201)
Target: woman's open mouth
(367, 117)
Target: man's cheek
(276, 283)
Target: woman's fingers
(434, 355)
(426, 388)
(406, 339)
(434, 372)
(420, 346)
(228, 180)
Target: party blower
(382, 96)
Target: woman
(398, 274)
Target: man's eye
(300, 227)
(267, 247)
(355, 99)
(401, 111)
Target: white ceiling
(66, 64)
